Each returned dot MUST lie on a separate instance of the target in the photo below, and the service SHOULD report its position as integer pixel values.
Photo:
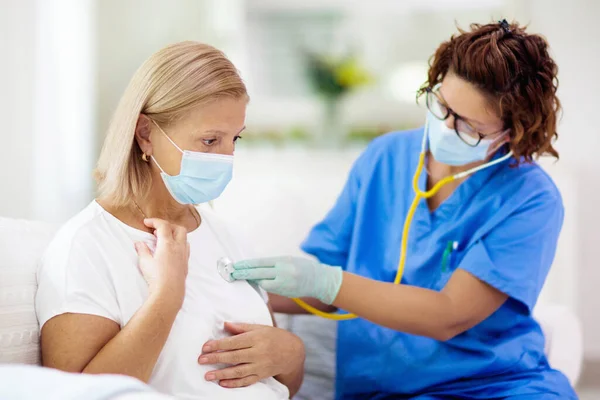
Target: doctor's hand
(254, 352)
(292, 277)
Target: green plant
(332, 78)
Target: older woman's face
(210, 128)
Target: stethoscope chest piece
(225, 268)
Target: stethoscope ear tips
(225, 268)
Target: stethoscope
(225, 266)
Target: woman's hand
(166, 269)
(255, 352)
(292, 277)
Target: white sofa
(274, 200)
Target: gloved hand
(292, 277)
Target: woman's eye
(235, 139)
(466, 129)
(440, 106)
(470, 129)
(209, 142)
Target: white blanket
(23, 382)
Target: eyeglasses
(465, 131)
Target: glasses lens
(466, 133)
(435, 107)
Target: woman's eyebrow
(462, 117)
(220, 132)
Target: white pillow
(319, 336)
(21, 246)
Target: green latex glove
(292, 277)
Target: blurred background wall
(65, 64)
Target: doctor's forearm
(400, 307)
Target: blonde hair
(172, 81)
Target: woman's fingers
(180, 233)
(243, 382)
(162, 229)
(236, 328)
(272, 352)
(237, 376)
(238, 342)
(235, 372)
(233, 357)
(143, 250)
(145, 264)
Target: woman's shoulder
(525, 192)
(76, 273)
(391, 149)
(397, 141)
(78, 226)
(80, 234)
(531, 181)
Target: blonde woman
(129, 285)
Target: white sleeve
(74, 278)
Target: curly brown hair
(514, 70)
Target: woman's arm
(94, 344)
(464, 302)
(294, 377)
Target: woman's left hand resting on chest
(255, 352)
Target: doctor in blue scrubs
(460, 325)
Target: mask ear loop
(425, 137)
(158, 165)
(167, 136)
(498, 142)
(170, 140)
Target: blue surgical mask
(202, 176)
(447, 148)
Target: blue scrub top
(504, 223)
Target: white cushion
(564, 339)
(21, 246)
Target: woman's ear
(142, 134)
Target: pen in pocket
(450, 247)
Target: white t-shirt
(91, 268)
